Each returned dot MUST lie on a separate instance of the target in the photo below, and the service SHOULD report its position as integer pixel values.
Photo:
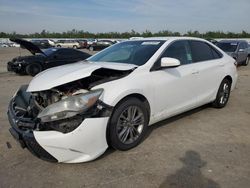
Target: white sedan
(72, 113)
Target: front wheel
(91, 48)
(222, 94)
(33, 69)
(128, 124)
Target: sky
(29, 16)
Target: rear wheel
(91, 48)
(223, 94)
(75, 47)
(59, 46)
(33, 69)
(128, 124)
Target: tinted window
(228, 46)
(243, 45)
(49, 51)
(64, 52)
(201, 51)
(179, 50)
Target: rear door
(210, 70)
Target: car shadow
(167, 121)
(190, 175)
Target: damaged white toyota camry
(72, 113)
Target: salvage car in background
(42, 59)
(237, 49)
(74, 112)
(67, 44)
(100, 45)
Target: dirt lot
(205, 147)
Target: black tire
(223, 94)
(75, 47)
(117, 126)
(58, 46)
(33, 69)
(246, 62)
(91, 48)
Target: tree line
(85, 34)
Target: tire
(246, 62)
(75, 47)
(33, 69)
(222, 94)
(58, 46)
(91, 48)
(125, 134)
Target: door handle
(195, 72)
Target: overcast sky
(28, 16)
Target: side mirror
(169, 62)
(241, 50)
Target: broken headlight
(70, 106)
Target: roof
(233, 41)
(172, 38)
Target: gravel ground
(205, 147)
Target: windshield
(129, 52)
(49, 51)
(228, 46)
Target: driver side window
(179, 50)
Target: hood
(57, 76)
(28, 45)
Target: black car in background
(238, 49)
(43, 59)
(100, 45)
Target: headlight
(70, 106)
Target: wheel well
(229, 78)
(141, 98)
(134, 95)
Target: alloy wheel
(130, 124)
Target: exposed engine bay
(28, 105)
(99, 76)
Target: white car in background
(72, 113)
(67, 44)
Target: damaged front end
(62, 109)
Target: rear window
(228, 46)
(201, 51)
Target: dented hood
(57, 76)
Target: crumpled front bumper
(85, 143)
(26, 137)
